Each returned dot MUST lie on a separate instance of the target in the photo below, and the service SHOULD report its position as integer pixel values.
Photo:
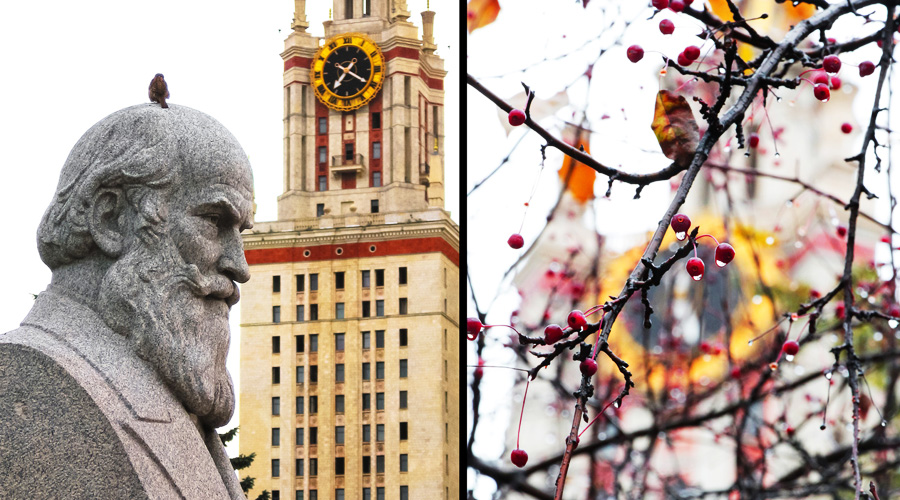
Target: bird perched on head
(159, 92)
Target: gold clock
(347, 71)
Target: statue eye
(212, 218)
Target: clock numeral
(374, 53)
(318, 75)
(321, 58)
(321, 89)
(348, 40)
(377, 69)
(332, 45)
(345, 102)
(332, 100)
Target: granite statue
(115, 382)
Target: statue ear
(103, 220)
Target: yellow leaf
(480, 13)
(721, 10)
(675, 127)
(581, 182)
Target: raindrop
(883, 422)
(789, 357)
(698, 277)
(750, 342)
(822, 427)
(720, 263)
(680, 235)
(777, 98)
(777, 154)
(747, 153)
(616, 403)
(877, 336)
(828, 374)
(892, 323)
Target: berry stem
(527, 381)
(498, 366)
(705, 236)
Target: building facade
(349, 359)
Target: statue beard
(178, 321)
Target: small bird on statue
(159, 92)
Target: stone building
(349, 358)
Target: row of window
(338, 280)
(339, 465)
(339, 434)
(376, 115)
(339, 341)
(338, 403)
(339, 372)
(402, 307)
(339, 492)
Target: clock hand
(344, 73)
(354, 75)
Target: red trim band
(353, 251)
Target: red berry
(885, 239)
(841, 231)
(840, 310)
(516, 117)
(688, 2)
(666, 27)
(735, 372)
(815, 294)
(659, 4)
(676, 5)
(635, 53)
(694, 267)
(552, 333)
(588, 367)
(692, 52)
(821, 92)
(705, 347)
(831, 64)
(866, 68)
(835, 83)
(789, 430)
(479, 371)
(576, 320)
(683, 60)
(681, 223)
(894, 311)
(724, 254)
(820, 77)
(516, 241)
(790, 347)
(473, 327)
(519, 458)
(846, 128)
(753, 140)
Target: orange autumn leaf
(721, 10)
(675, 127)
(581, 183)
(480, 13)
(798, 13)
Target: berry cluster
(724, 252)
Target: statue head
(148, 212)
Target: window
(374, 206)
(404, 431)
(276, 467)
(367, 434)
(276, 406)
(338, 341)
(299, 492)
(276, 436)
(276, 375)
(379, 308)
(379, 400)
(376, 120)
(300, 283)
(339, 310)
(314, 312)
(313, 405)
(299, 405)
(365, 340)
(379, 370)
(300, 312)
(367, 402)
(348, 150)
(376, 150)
(380, 493)
(445, 370)
(276, 345)
(298, 466)
(276, 284)
(379, 277)
(367, 469)
(379, 434)
(403, 305)
(366, 309)
(313, 282)
(323, 155)
(402, 275)
(339, 373)
(276, 495)
(379, 339)
(403, 338)
(313, 495)
(402, 399)
(404, 490)
(365, 371)
(276, 314)
(323, 185)
(404, 464)
(365, 279)
(313, 435)
(376, 179)
(339, 280)
(313, 469)
(299, 339)
(348, 10)
(379, 464)
(298, 439)
(313, 343)
(320, 209)
(402, 368)
(339, 433)
(323, 125)
(339, 492)
(313, 374)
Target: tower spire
(299, 23)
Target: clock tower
(349, 356)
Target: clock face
(347, 71)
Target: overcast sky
(64, 65)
